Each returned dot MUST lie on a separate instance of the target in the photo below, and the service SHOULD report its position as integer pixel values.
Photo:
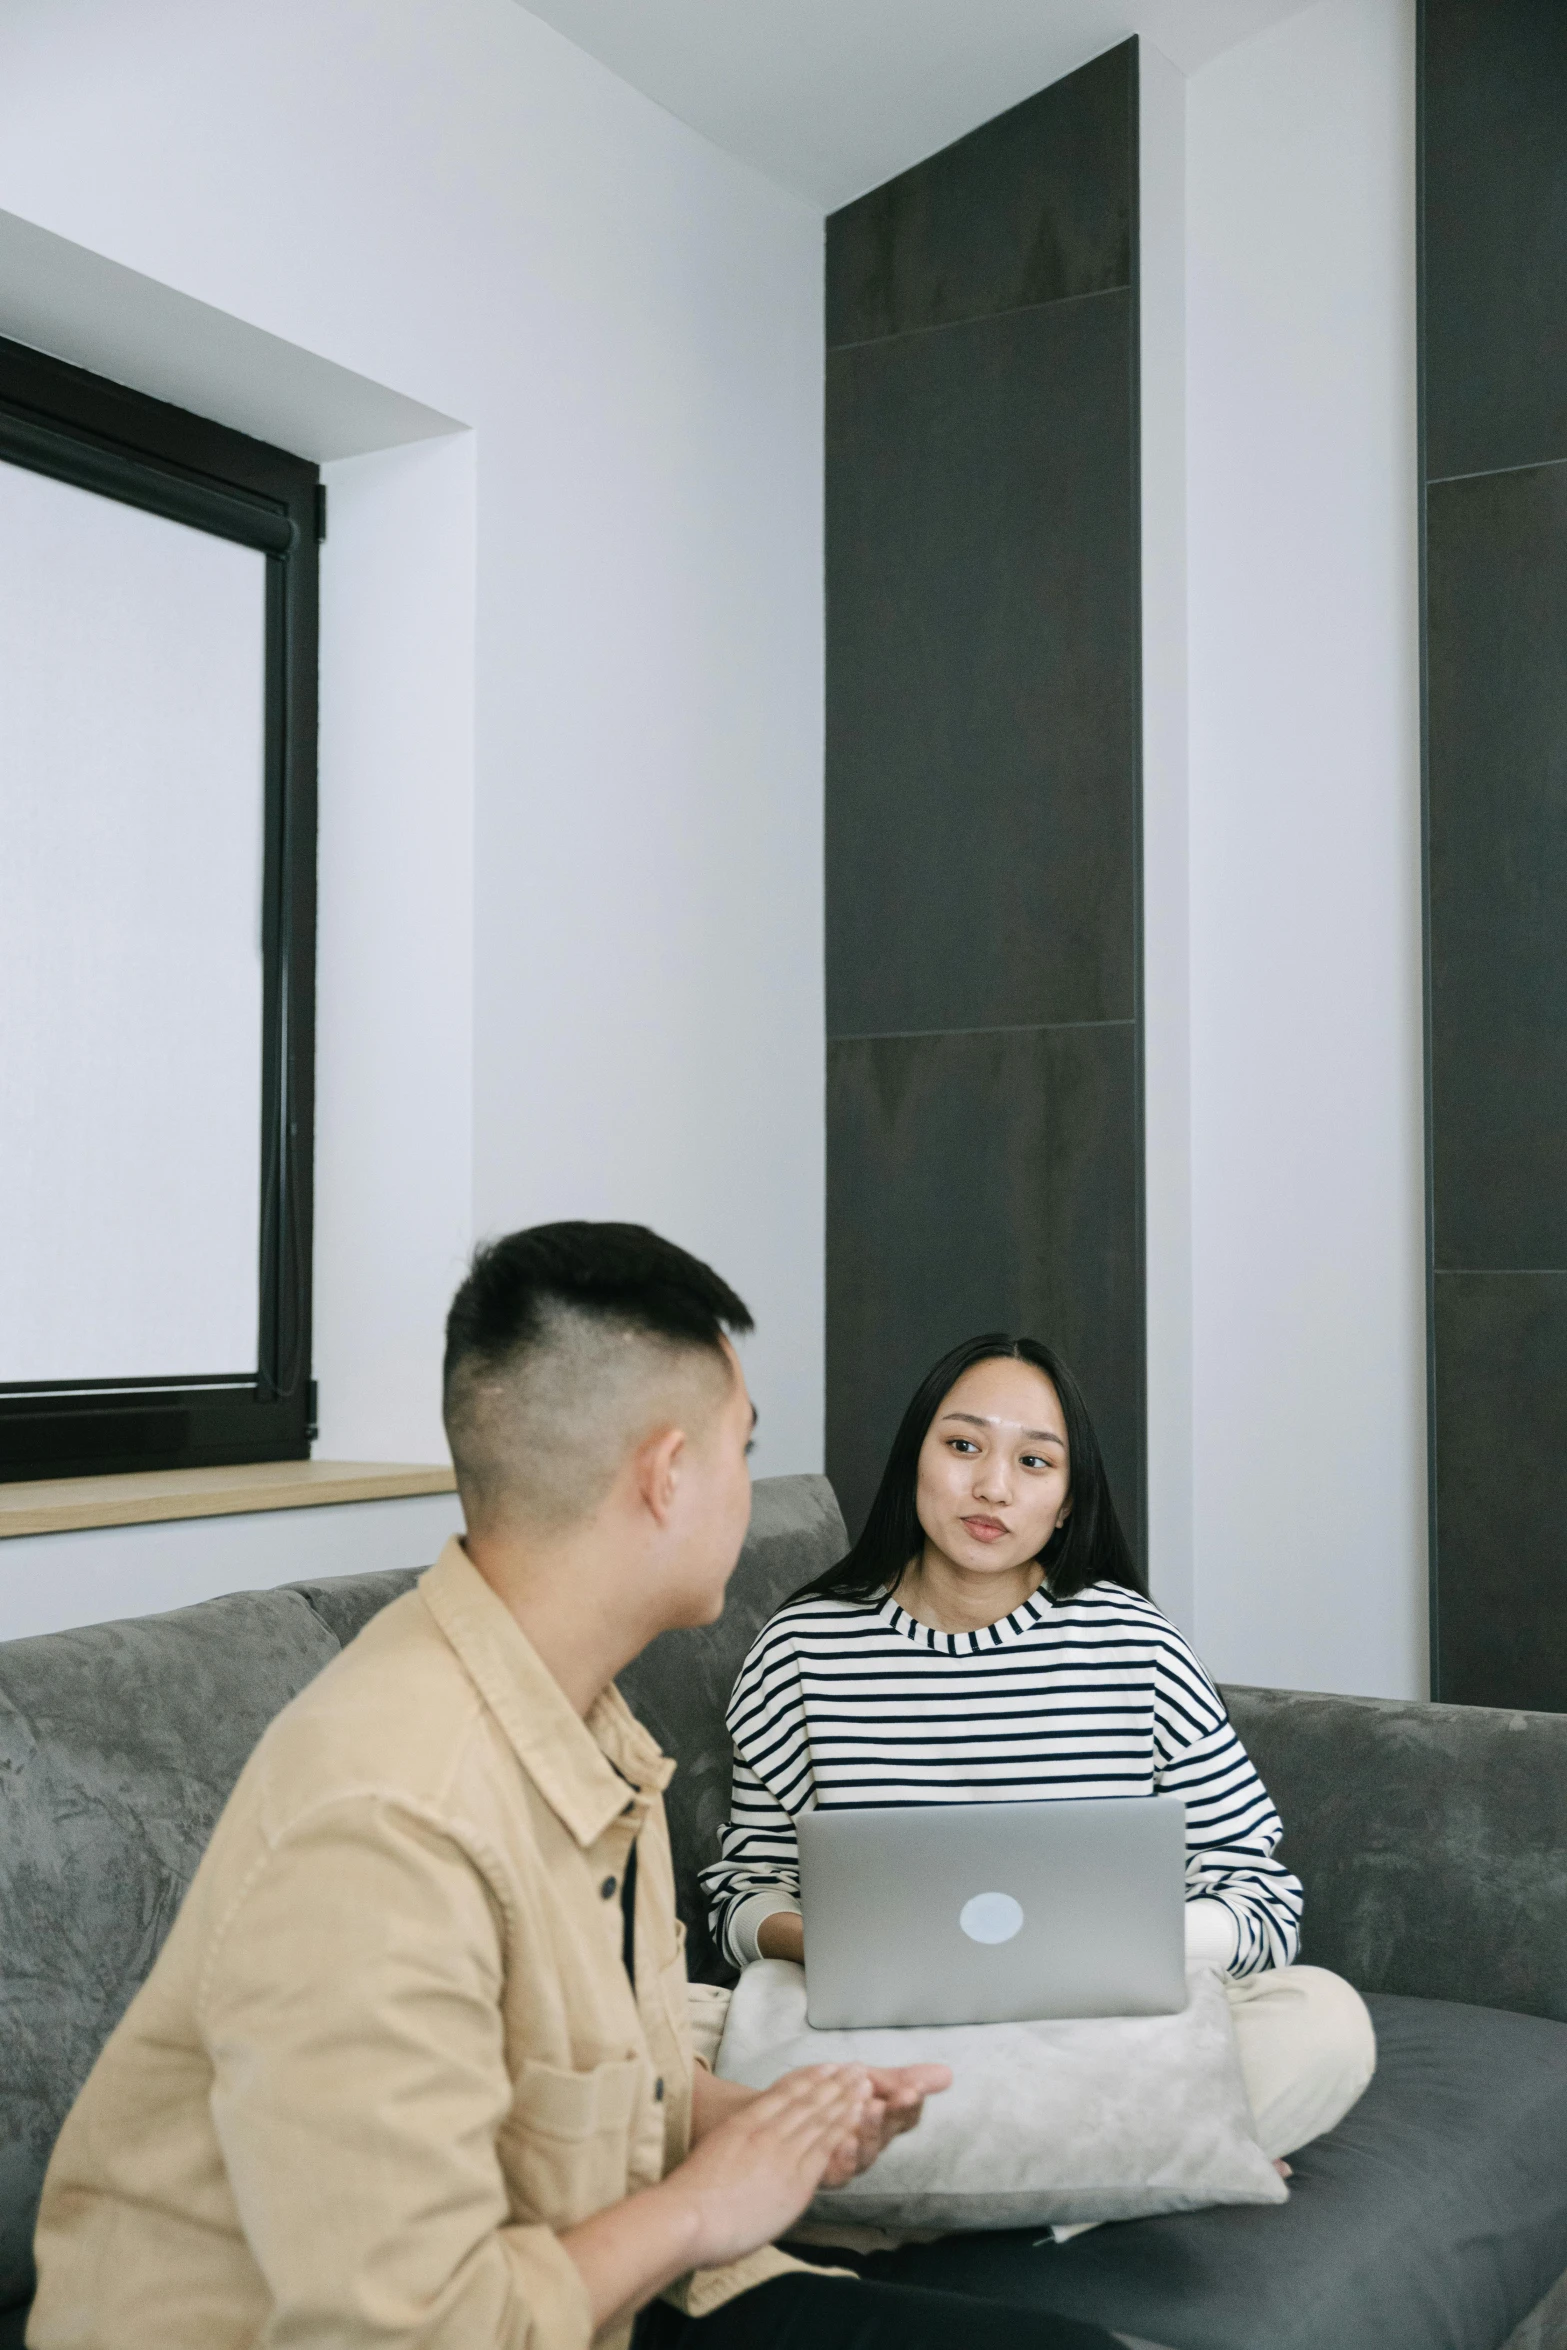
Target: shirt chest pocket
(565, 2147)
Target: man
(414, 2066)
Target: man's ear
(659, 1462)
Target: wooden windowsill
(62, 1505)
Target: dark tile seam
(978, 318)
(1439, 481)
(1002, 1028)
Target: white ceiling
(831, 97)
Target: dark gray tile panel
(981, 1182)
(1497, 619)
(1495, 233)
(1501, 1475)
(982, 689)
(1033, 207)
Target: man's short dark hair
(559, 1343)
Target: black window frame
(80, 428)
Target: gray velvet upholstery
(1430, 1840)
(346, 1603)
(118, 1747)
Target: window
(158, 598)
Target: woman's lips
(985, 1529)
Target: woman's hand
(782, 1936)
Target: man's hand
(748, 2180)
(713, 2101)
(897, 2099)
(759, 2157)
(898, 2093)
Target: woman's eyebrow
(976, 1420)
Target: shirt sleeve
(1232, 1829)
(351, 2010)
(757, 1872)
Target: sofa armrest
(1431, 1840)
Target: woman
(989, 1638)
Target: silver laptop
(989, 1913)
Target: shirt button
(608, 1888)
(658, 2092)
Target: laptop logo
(991, 1917)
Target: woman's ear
(1063, 1513)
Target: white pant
(1307, 2051)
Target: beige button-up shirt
(389, 2048)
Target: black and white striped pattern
(849, 1704)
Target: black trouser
(837, 2313)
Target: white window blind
(132, 671)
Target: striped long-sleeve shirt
(852, 1704)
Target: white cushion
(1045, 2125)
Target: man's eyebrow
(976, 1420)
(755, 1416)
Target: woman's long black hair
(1089, 1548)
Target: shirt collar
(581, 1768)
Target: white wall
(1304, 841)
(577, 653)
(49, 1582)
(394, 1030)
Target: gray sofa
(1432, 1841)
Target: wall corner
(1166, 977)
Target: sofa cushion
(1051, 2124)
(119, 1744)
(1435, 2214)
(1428, 1838)
(346, 1603)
